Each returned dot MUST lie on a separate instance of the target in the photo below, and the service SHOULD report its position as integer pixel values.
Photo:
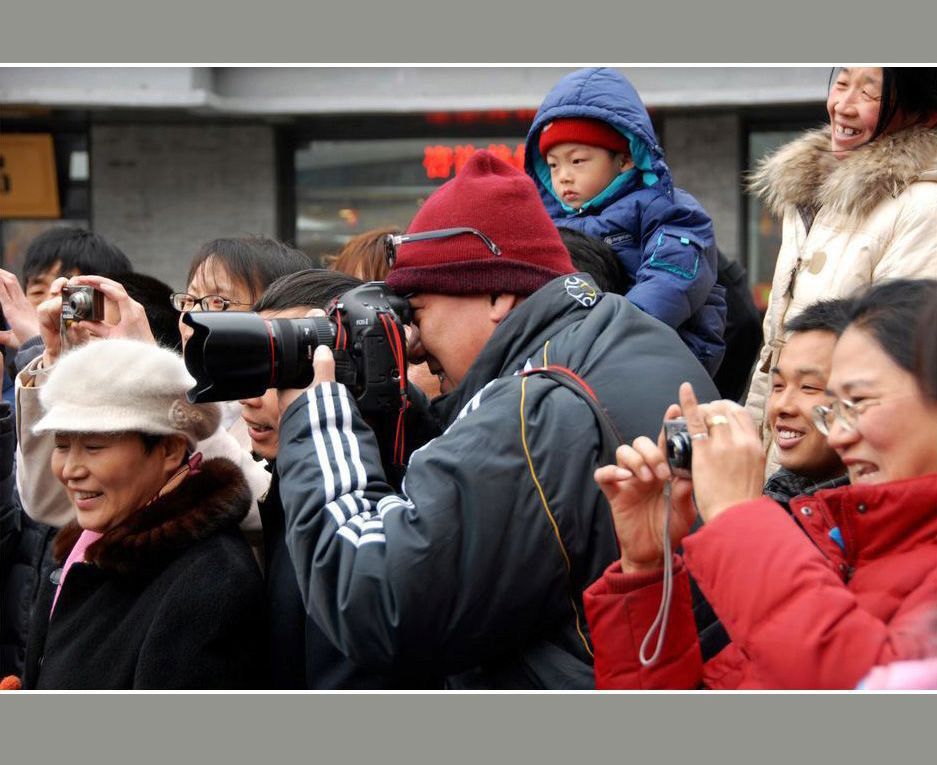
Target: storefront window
(764, 230)
(344, 188)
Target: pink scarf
(77, 555)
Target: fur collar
(804, 174)
(217, 497)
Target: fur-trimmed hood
(804, 174)
(214, 499)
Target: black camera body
(679, 447)
(371, 347)
(82, 303)
(240, 355)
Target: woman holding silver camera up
(811, 607)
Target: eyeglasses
(393, 241)
(182, 301)
(846, 412)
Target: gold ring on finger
(717, 419)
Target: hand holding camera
(718, 435)
(88, 296)
(55, 335)
(635, 491)
(700, 444)
(75, 313)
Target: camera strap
(610, 437)
(398, 348)
(610, 441)
(659, 625)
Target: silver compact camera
(679, 447)
(82, 303)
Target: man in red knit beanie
(465, 284)
(472, 575)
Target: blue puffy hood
(602, 94)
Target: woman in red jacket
(811, 607)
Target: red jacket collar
(874, 520)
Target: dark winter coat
(25, 556)
(299, 653)
(170, 598)
(662, 234)
(25, 561)
(475, 569)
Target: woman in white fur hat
(157, 589)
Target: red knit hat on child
(499, 201)
(581, 130)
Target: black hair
(150, 441)
(154, 296)
(822, 316)
(913, 90)
(889, 311)
(76, 250)
(595, 257)
(926, 355)
(257, 261)
(312, 288)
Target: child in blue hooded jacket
(594, 156)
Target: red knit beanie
(587, 131)
(501, 202)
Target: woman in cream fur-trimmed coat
(847, 223)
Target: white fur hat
(119, 386)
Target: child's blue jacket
(662, 234)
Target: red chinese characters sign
(443, 162)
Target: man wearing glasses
(474, 571)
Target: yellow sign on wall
(28, 183)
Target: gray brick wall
(159, 191)
(702, 151)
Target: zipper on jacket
(845, 567)
(793, 277)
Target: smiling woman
(157, 588)
(109, 475)
(883, 424)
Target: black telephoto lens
(240, 355)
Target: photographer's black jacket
(475, 569)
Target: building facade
(161, 160)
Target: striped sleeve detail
(472, 405)
(344, 478)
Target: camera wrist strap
(659, 624)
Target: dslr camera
(81, 303)
(679, 447)
(240, 355)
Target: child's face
(580, 172)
